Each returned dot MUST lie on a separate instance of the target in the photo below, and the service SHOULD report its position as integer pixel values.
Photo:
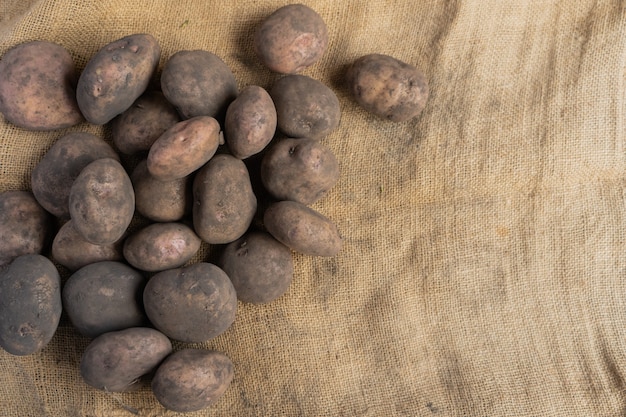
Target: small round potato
(192, 379)
(30, 304)
(53, 176)
(301, 170)
(291, 39)
(250, 122)
(198, 83)
(302, 229)
(70, 249)
(102, 202)
(104, 297)
(161, 246)
(25, 227)
(388, 87)
(37, 87)
(140, 126)
(259, 266)
(160, 201)
(305, 107)
(116, 76)
(115, 361)
(184, 148)
(224, 203)
(192, 304)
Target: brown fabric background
(484, 259)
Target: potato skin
(388, 87)
(30, 305)
(192, 379)
(102, 202)
(192, 304)
(37, 86)
(224, 203)
(116, 76)
(137, 128)
(250, 122)
(301, 170)
(291, 39)
(25, 226)
(184, 148)
(161, 246)
(305, 107)
(115, 361)
(302, 229)
(103, 297)
(198, 83)
(259, 266)
(70, 249)
(53, 176)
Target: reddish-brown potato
(290, 39)
(37, 86)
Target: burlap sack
(482, 272)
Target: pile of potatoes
(127, 217)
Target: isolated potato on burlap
(482, 266)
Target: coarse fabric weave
(483, 267)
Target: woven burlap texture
(482, 272)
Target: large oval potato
(192, 304)
(102, 201)
(388, 87)
(30, 304)
(224, 203)
(115, 361)
(161, 246)
(259, 266)
(192, 379)
(302, 229)
(25, 227)
(301, 170)
(198, 83)
(37, 86)
(116, 76)
(184, 148)
(52, 178)
(305, 108)
(291, 39)
(103, 297)
(137, 128)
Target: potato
(115, 361)
(25, 226)
(388, 87)
(192, 379)
(259, 266)
(137, 128)
(184, 148)
(250, 122)
(198, 83)
(291, 39)
(30, 304)
(116, 76)
(103, 297)
(301, 170)
(70, 249)
(160, 201)
(53, 176)
(161, 246)
(37, 86)
(305, 108)
(302, 229)
(224, 203)
(102, 202)
(192, 304)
